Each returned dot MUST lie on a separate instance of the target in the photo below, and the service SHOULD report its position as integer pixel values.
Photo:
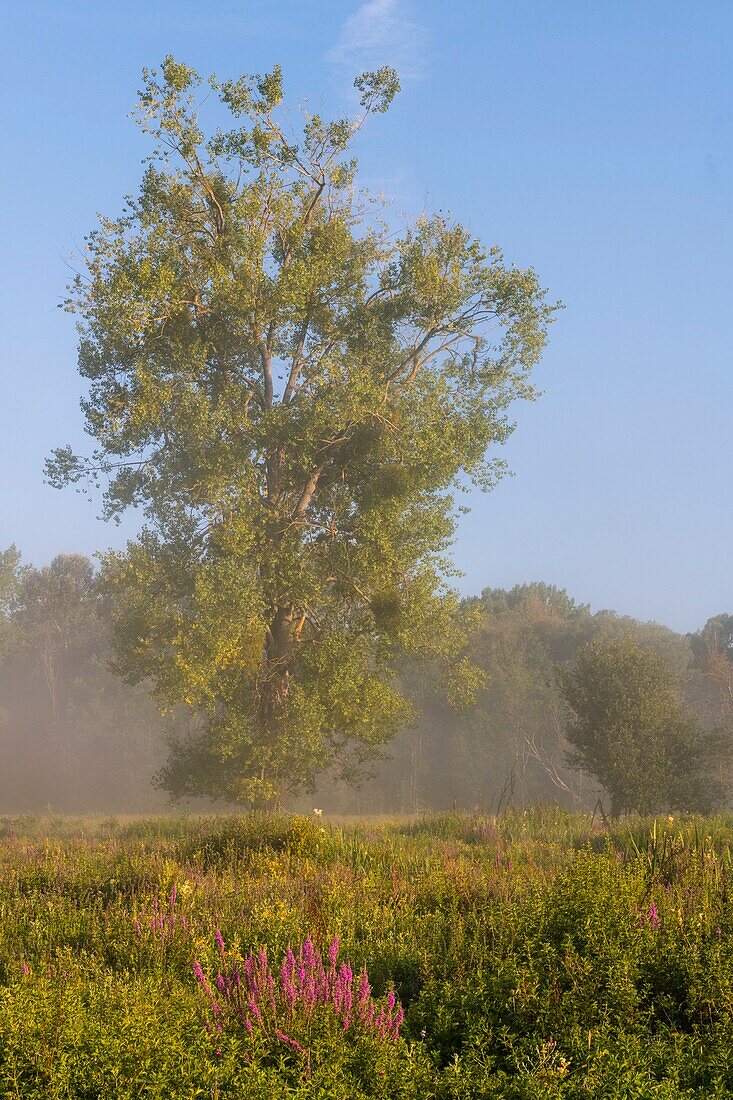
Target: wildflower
(652, 916)
(252, 997)
(318, 813)
(200, 977)
(290, 1042)
(364, 990)
(333, 950)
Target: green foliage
(491, 726)
(11, 574)
(536, 954)
(628, 729)
(290, 392)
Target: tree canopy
(628, 729)
(291, 391)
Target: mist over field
(75, 738)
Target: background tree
(713, 651)
(290, 392)
(11, 577)
(72, 735)
(628, 729)
(508, 747)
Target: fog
(74, 738)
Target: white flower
(318, 813)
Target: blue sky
(593, 140)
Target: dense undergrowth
(539, 955)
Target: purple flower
(290, 1042)
(308, 953)
(251, 997)
(333, 951)
(364, 989)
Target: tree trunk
(276, 681)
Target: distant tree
(628, 730)
(72, 735)
(53, 617)
(290, 391)
(11, 579)
(713, 650)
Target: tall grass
(535, 955)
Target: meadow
(541, 954)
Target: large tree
(290, 390)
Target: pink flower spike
(333, 951)
(293, 1043)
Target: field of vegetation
(452, 956)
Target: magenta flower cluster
(270, 1002)
(484, 830)
(650, 917)
(163, 923)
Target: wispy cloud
(380, 33)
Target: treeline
(509, 747)
(75, 738)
